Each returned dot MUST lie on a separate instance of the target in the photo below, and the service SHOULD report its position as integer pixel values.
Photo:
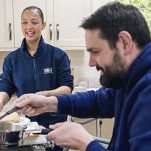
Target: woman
(36, 67)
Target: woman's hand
(1, 105)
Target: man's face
(108, 60)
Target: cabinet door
(68, 16)
(19, 5)
(50, 37)
(6, 24)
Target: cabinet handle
(57, 31)
(10, 31)
(50, 31)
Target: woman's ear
(44, 25)
(126, 42)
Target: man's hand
(33, 104)
(70, 135)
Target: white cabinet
(62, 17)
(63, 21)
(6, 24)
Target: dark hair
(115, 17)
(37, 8)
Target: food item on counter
(12, 118)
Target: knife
(9, 112)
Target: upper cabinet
(62, 17)
(63, 20)
(6, 24)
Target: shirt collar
(40, 45)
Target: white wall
(2, 55)
(82, 71)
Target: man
(118, 40)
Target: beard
(113, 76)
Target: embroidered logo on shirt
(47, 70)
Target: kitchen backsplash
(79, 63)
(2, 56)
(82, 71)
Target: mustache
(98, 68)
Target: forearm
(60, 90)
(4, 98)
(52, 104)
(55, 92)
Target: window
(143, 5)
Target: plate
(24, 121)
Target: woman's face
(32, 25)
